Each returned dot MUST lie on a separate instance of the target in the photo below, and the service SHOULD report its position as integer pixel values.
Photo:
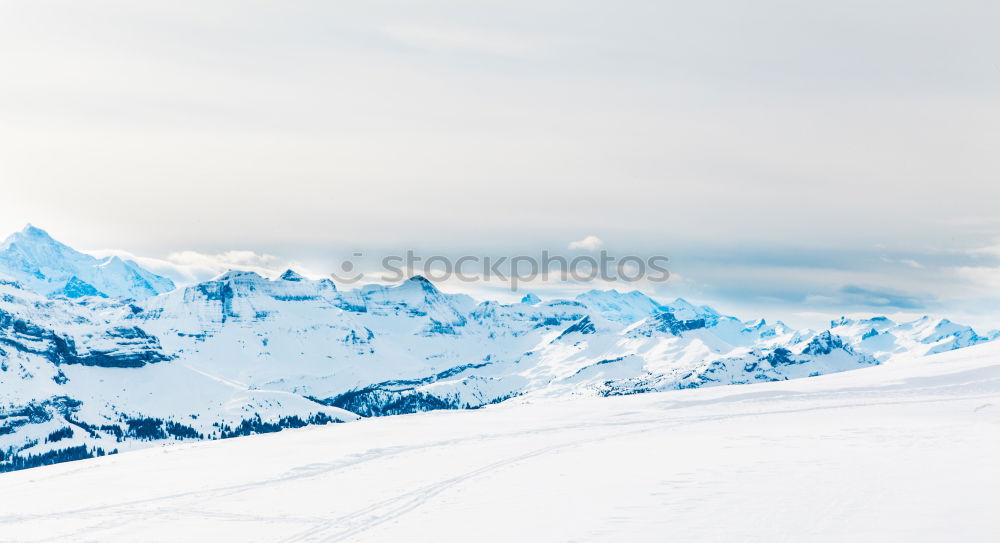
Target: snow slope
(904, 451)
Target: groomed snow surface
(907, 451)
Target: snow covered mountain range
(126, 359)
(38, 262)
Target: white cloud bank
(589, 243)
(186, 267)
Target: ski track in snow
(874, 446)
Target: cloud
(982, 275)
(854, 294)
(589, 243)
(992, 250)
(905, 261)
(186, 267)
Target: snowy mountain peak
(682, 307)
(757, 324)
(842, 321)
(531, 299)
(291, 275)
(42, 264)
(824, 343)
(620, 306)
(112, 261)
(422, 282)
(33, 242)
(31, 230)
(877, 322)
(232, 274)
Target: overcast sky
(790, 155)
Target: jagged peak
(32, 230)
(30, 234)
(824, 343)
(113, 260)
(328, 283)
(842, 321)
(682, 303)
(611, 293)
(875, 320)
(231, 274)
(531, 299)
(422, 282)
(291, 275)
(759, 323)
(614, 295)
(597, 292)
